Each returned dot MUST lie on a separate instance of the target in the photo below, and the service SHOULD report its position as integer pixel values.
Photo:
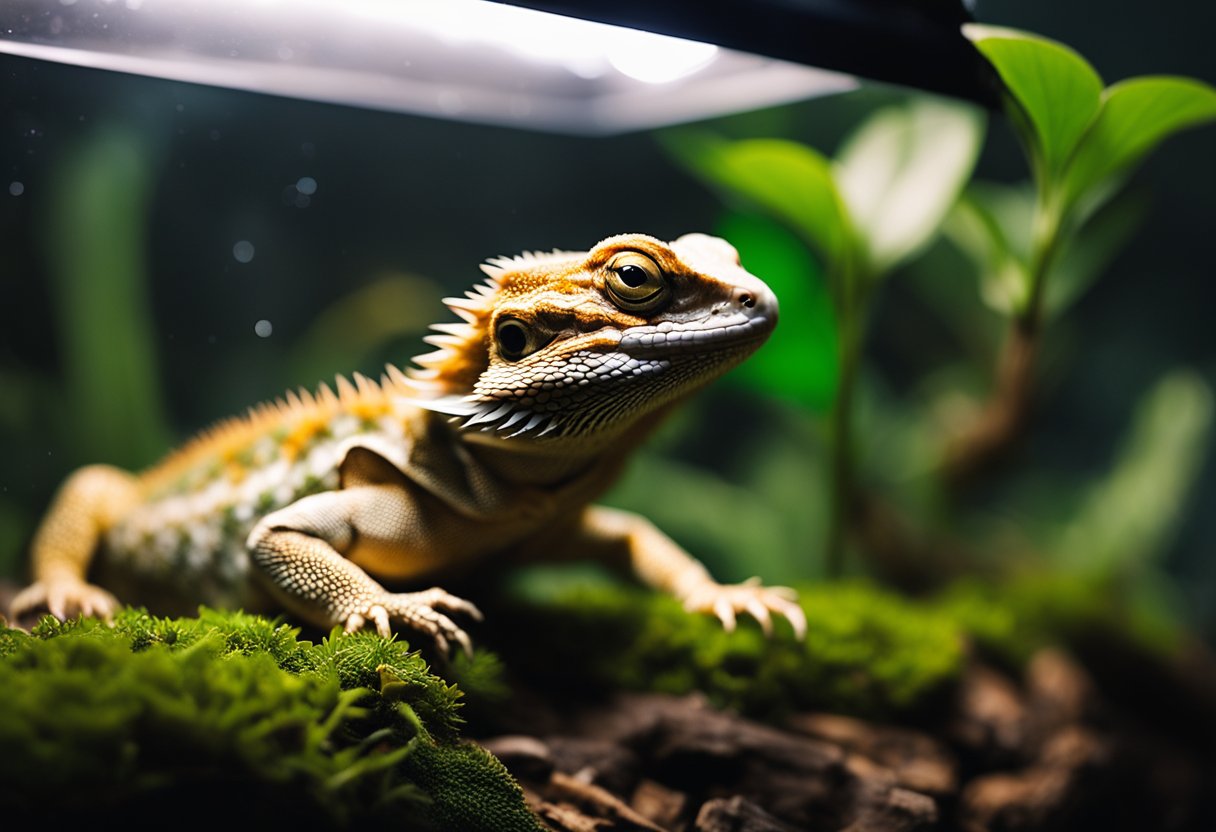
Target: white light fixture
(467, 59)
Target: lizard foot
(64, 598)
(726, 601)
(420, 611)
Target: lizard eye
(635, 282)
(514, 339)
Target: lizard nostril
(747, 300)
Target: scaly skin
(561, 364)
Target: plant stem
(1003, 418)
(843, 486)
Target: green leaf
(1130, 517)
(1089, 250)
(1056, 89)
(900, 173)
(101, 199)
(799, 361)
(1136, 116)
(990, 224)
(787, 179)
(348, 333)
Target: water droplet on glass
(16, 188)
(243, 251)
(263, 328)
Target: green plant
(863, 214)
(1037, 247)
(1082, 142)
(100, 200)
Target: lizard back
(199, 504)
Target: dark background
(401, 193)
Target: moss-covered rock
(230, 716)
(866, 652)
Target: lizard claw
(64, 599)
(378, 615)
(422, 611)
(760, 602)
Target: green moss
(866, 652)
(232, 716)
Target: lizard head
(585, 344)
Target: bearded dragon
(492, 446)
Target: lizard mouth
(705, 334)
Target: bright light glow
(583, 47)
(658, 59)
(467, 59)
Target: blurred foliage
(234, 716)
(1011, 620)
(893, 185)
(881, 201)
(799, 361)
(877, 204)
(1127, 519)
(99, 202)
(791, 181)
(758, 510)
(992, 224)
(15, 526)
(900, 172)
(353, 331)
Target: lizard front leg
(298, 551)
(627, 540)
(90, 501)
